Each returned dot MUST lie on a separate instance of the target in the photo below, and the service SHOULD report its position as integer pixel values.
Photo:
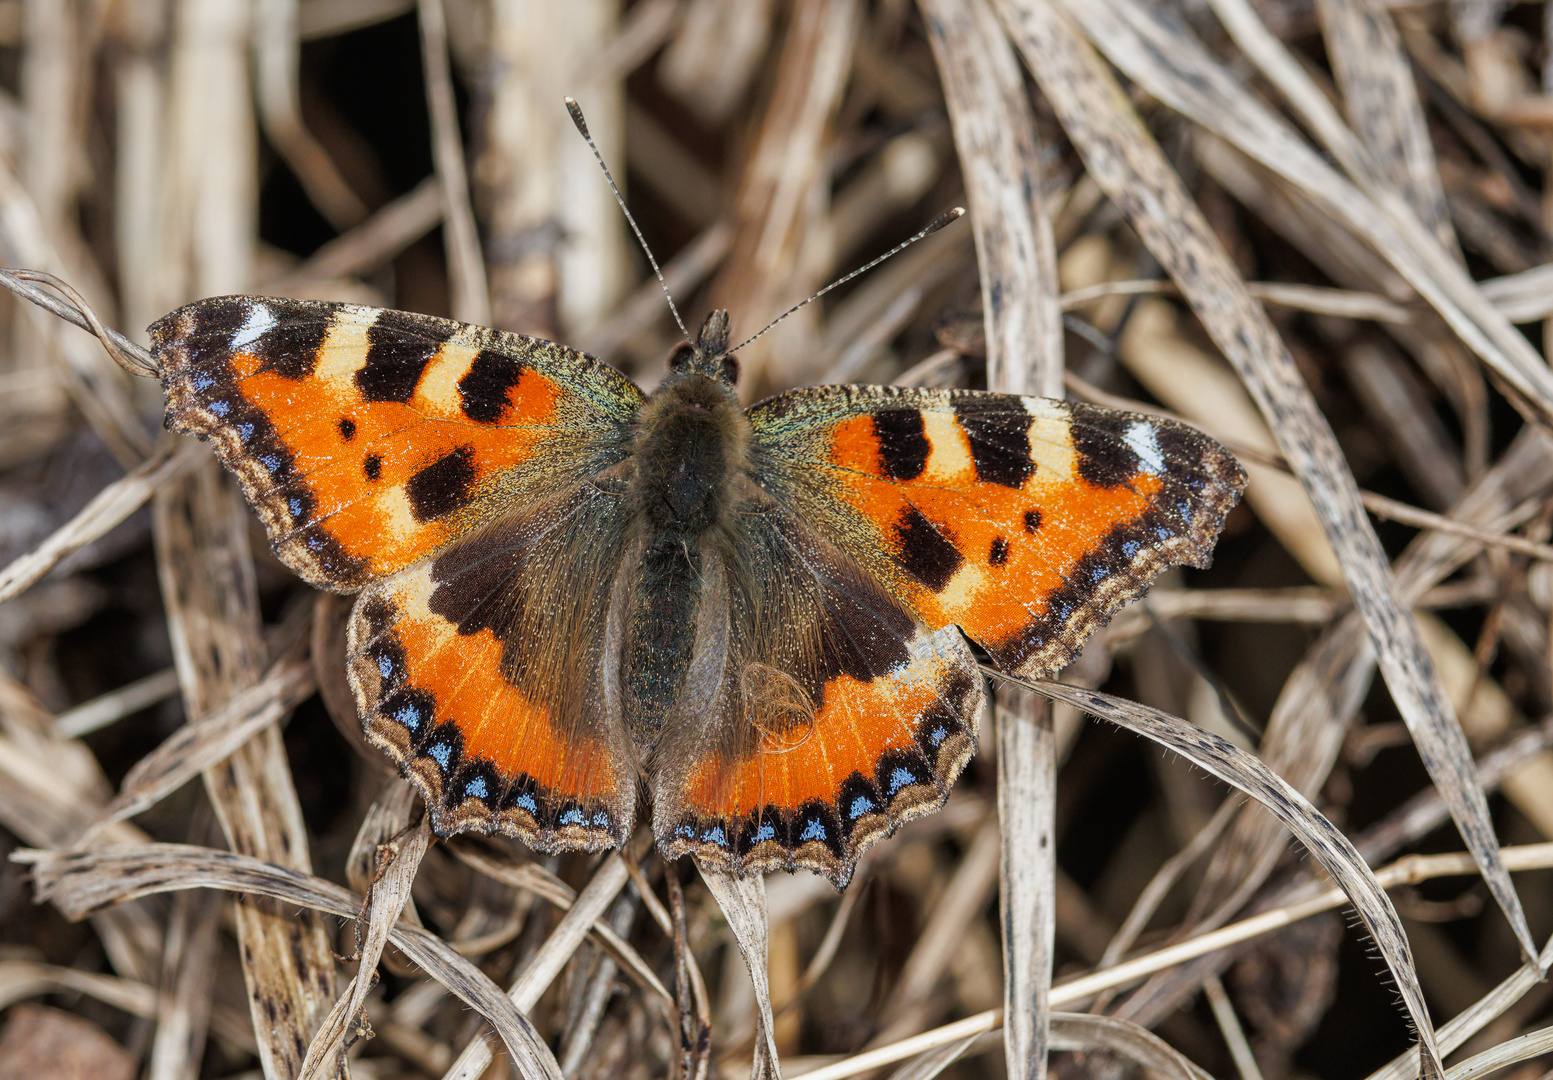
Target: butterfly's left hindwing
(1025, 521)
(485, 672)
(367, 438)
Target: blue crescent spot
(271, 462)
(475, 788)
(410, 717)
(295, 505)
(860, 806)
(219, 407)
(765, 831)
(1129, 548)
(601, 819)
(245, 432)
(814, 830)
(527, 802)
(938, 735)
(572, 816)
(716, 835)
(441, 753)
(900, 778)
(385, 665)
(203, 381)
(684, 832)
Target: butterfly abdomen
(691, 452)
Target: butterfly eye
(730, 370)
(683, 353)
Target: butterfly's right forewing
(367, 438)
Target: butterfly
(571, 592)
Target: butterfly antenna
(933, 226)
(582, 129)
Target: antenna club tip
(576, 112)
(946, 218)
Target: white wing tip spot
(260, 320)
(1142, 440)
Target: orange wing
(367, 439)
(483, 673)
(819, 715)
(1025, 521)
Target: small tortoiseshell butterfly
(570, 588)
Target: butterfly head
(709, 355)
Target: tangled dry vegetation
(1318, 229)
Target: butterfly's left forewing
(1024, 521)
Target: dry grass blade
(81, 883)
(695, 1015)
(775, 259)
(1530, 1045)
(1392, 510)
(1172, 65)
(74, 309)
(1523, 297)
(1231, 1029)
(96, 388)
(280, 110)
(1137, 177)
(1410, 870)
(116, 704)
(1382, 102)
(994, 132)
(190, 971)
(1302, 899)
(743, 903)
(112, 505)
(207, 574)
(1074, 992)
(199, 745)
(589, 907)
(963, 899)
(22, 979)
(1077, 1031)
(937, 1060)
(1473, 1019)
(1314, 298)
(471, 299)
(1329, 846)
(1325, 689)
(370, 244)
(542, 883)
(390, 891)
(972, 1027)
(683, 273)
